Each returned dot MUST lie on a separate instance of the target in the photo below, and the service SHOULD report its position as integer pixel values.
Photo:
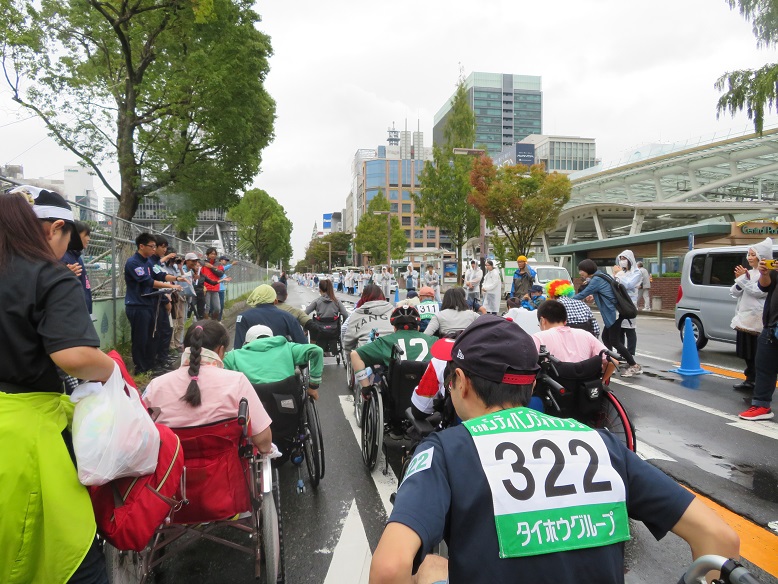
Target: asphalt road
(687, 427)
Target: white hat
(257, 332)
(191, 256)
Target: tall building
(393, 169)
(507, 109)
(563, 154)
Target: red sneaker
(757, 413)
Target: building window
(406, 221)
(407, 234)
(406, 195)
(393, 207)
(406, 173)
(418, 244)
(394, 172)
(375, 173)
(430, 234)
(407, 208)
(371, 193)
(393, 195)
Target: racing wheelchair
(384, 404)
(296, 428)
(576, 390)
(326, 333)
(226, 486)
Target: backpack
(624, 303)
(129, 510)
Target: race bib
(428, 308)
(553, 486)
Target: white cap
(191, 256)
(256, 332)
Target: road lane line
(385, 484)
(647, 452)
(351, 559)
(763, 428)
(757, 544)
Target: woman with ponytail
(202, 391)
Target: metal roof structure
(719, 182)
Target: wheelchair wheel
(123, 567)
(372, 428)
(613, 417)
(358, 404)
(313, 446)
(270, 526)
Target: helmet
(405, 317)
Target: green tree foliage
(501, 249)
(520, 201)
(752, 90)
(445, 183)
(172, 91)
(264, 231)
(371, 232)
(318, 252)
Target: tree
(752, 90)
(445, 183)
(318, 252)
(264, 231)
(371, 232)
(520, 201)
(172, 91)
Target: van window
(722, 268)
(698, 268)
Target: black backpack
(624, 303)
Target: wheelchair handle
(611, 354)
(546, 379)
(243, 411)
(731, 571)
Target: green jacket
(272, 359)
(46, 520)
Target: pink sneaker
(757, 413)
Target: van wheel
(697, 329)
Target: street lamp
(329, 263)
(482, 225)
(388, 235)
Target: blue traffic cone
(396, 295)
(690, 358)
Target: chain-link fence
(113, 243)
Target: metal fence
(113, 243)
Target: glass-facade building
(564, 154)
(507, 108)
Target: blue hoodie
(600, 288)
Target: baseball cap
(225, 258)
(191, 256)
(51, 206)
(426, 291)
(258, 331)
(495, 349)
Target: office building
(507, 107)
(564, 154)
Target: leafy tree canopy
(264, 231)
(520, 201)
(752, 90)
(170, 90)
(371, 232)
(318, 252)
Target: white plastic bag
(113, 434)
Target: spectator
(627, 272)
(202, 391)
(411, 278)
(179, 300)
(282, 278)
(281, 296)
(579, 315)
(73, 260)
(473, 278)
(747, 321)
(492, 287)
(567, 344)
(162, 332)
(372, 312)
(523, 278)
(645, 286)
(599, 289)
(212, 273)
(226, 264)
(534, 299)
(454, 315)
(264, 311)
(384, 281)
(432, 280)
(196, 296)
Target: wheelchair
(326, 333)
(296, 428)
(576, 390)
(384, 404)
(226, 484)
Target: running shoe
(632, 371)
(757, 413)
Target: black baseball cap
(51, 206)
(495, 349)
(225, 258)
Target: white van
(703, 296)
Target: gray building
(507, 107)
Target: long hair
(326, 287)
(21, 232)
(454, 298)
(209, 334)
(370, 293)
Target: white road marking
(676, 362)
(351, 558)
(763, 428)
(647, 452)
(385, 484)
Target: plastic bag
(113, 434)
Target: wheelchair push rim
(613, 417)
(372, 429)
(313, 446)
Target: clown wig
(557, 288)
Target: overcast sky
(624, 73)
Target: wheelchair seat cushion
(283, 402)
